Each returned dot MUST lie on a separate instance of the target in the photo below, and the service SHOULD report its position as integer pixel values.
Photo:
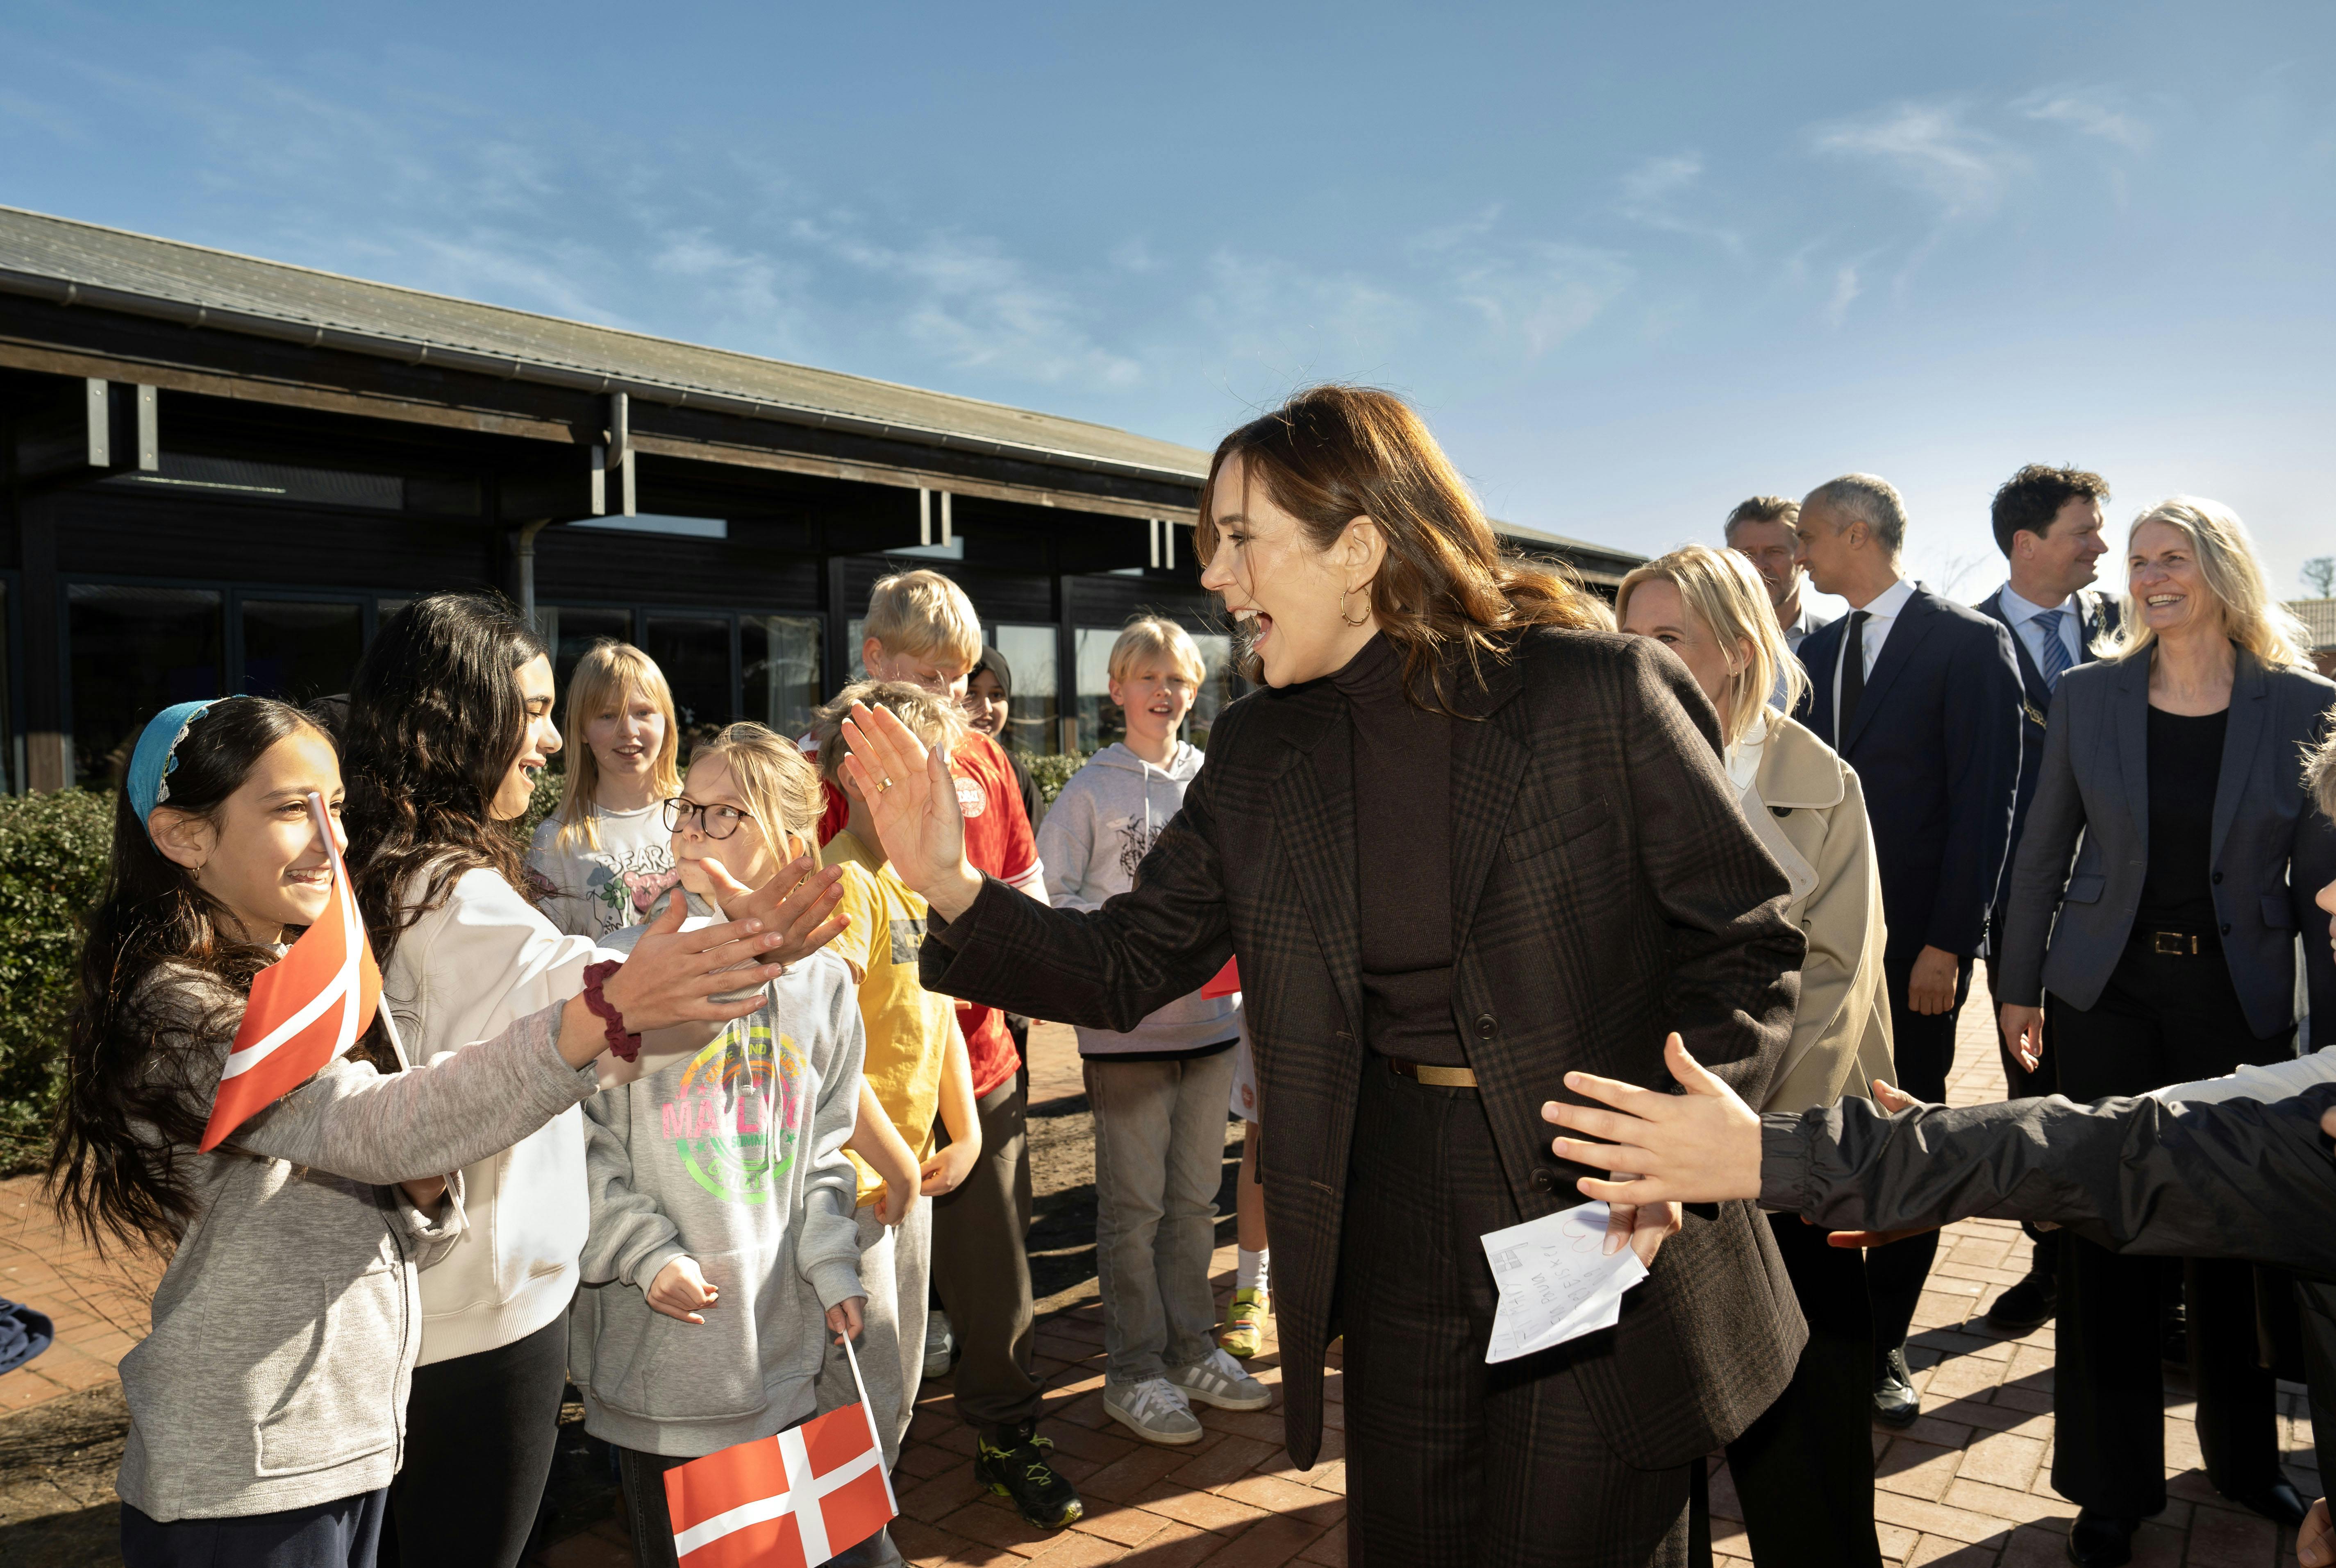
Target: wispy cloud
(1652, 193)
(58, 122)
(1847, 287)
(2088, 111)
(1534, 297)
(1930, 149)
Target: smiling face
(1775, 551)
(2161, 573)
(1293, 604)
(260, 855)
(1154, 698)
(1657, 610)
(2067, 556)
(627, 737)
(985, 704)
(746, 854)
(538, 740)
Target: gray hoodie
(1096, 833)
(732, 1154)
(286, 1325)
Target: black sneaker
(2025, 1307)
(1895, 1403)
(1015, 1467)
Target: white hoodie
(464, 973)
(1095, 835)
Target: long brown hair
(1335, 453)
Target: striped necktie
(2055, 647)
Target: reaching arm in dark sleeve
(1732, 975)
(1984, 708)
(1100, 969)
(2241, 1179)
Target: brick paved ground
(1968, 1485)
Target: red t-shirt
(999, 841)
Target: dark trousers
(982, 1274)
(1803, 1471)
(1451, 1462)
(1923, 1047)
(640, 1477)
(2019, 1083)
(480, 1432)
(2160, 1020)
(342, 1533)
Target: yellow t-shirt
(907, 1026)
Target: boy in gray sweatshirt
(1160, 1091)
(722, 1233)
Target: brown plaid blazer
(1605, 890)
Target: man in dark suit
(2047, 523)
(1922, 696)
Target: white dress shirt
(2030, 627)
(1881, 614)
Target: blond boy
(1160, 1091)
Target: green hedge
(53, 865)
(1050, 773)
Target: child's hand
(681, 1289)
(843, 1318)
(424, 1194)
(948, 1168)
(895, 1202)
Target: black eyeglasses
(716, 822)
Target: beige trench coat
(1806, 805)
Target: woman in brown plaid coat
(1464, 841)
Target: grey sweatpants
(894, 1268)
(1160, 1157)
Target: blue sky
(1634, 262)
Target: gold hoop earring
(1349, 593)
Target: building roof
(2319, 618)
(87, 264)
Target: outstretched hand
(911, 795)
(798, 905)
(674, 975)
(1700, 1147)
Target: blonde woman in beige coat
(1805, 1470)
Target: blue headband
(157, 755)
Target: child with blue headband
(266, 1405)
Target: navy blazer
(2271, 852)
(2098, 618)
(1935, 741)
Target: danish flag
(792, 1501)
(307, 1008)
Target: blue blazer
(2273, 850)
(2099, 616)
(1935, 741)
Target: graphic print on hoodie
(734, 1115)
(1093, 842)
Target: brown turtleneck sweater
(1403, 860)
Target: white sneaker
(1220, 1381)
(941, 1345)
(1153, 1410)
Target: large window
(571, 633)
(1219, 689)
(1099, 719)
(694, 651)
(300, 650)
(134, 652)
(778, 663)
(1030, 719)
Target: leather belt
(1432, 1076)
(2180, 944)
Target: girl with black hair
(449, 722)
(266, 1405)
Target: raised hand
(912, 796)
(1700, 1147)
(798, 905)
(674, 975)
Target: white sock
(1253, 1269)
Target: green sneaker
(1016, 1467)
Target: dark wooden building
(220, 473)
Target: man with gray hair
(1922, 697)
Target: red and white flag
(308, 1008)
(792, 1501)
